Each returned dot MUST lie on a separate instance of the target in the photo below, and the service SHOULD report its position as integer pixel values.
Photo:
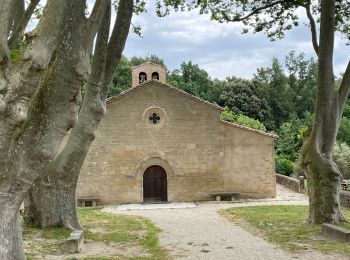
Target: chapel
(158, 143)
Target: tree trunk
(10, 231)
(324, 179)
(322, 173)
(54, 205)
(39, 102)
(60, 177)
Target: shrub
(227, 115)
(283, 165)
(341, 156)
(343, 132)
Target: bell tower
(148, 71)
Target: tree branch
(17, 12)
(344, 88)
(118, 38)
(100, 55)
(326, 47)
(312, 27)
(22, 24)
(255, 11)
(5, 20)
(93, 22)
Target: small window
(155, 76)
(142, 77)
(88, 203)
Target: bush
(227, 115)
(343, 132)
(341, 156)
(283, 165)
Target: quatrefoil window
(154, 118)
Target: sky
(220, 49)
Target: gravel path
(200, 233)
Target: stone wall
(345, 198)
(294, 184)
(289, 182)
(249, 165)
(199, 152)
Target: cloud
(220, 49)
(235, 63)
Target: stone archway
(155, 185)
(147, 162)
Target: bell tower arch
(148, 71)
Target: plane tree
(41, 74)
(325, 19)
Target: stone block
(75, 241)
(335, 232)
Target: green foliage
(291, 136)
(193, 80)
(283, 165)
(227, 115)
(276, 90)
(302, 81)
(341, 156)
(244, 97)
(343, 132)
(16, 53)
(122, 77)
(135, 61)
(273, 18)
(346, 111)
(286, 226)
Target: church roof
(184, 93)
(197, 99)
(250, 129)
(150, 62)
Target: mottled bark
(63, 172)
(54, 205)
(322, 173)
(39, 96)
(10, 229)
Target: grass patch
(287, 227)
(101, 227)
(120, 228)
(44, 241)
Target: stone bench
(75, 241)
(225, 194)
(335, 232)
(87, 202)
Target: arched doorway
(155, 184)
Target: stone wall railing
(298, 185)
(290, 182)
(345, 198)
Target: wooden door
(154, 184)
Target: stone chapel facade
(159, 143)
